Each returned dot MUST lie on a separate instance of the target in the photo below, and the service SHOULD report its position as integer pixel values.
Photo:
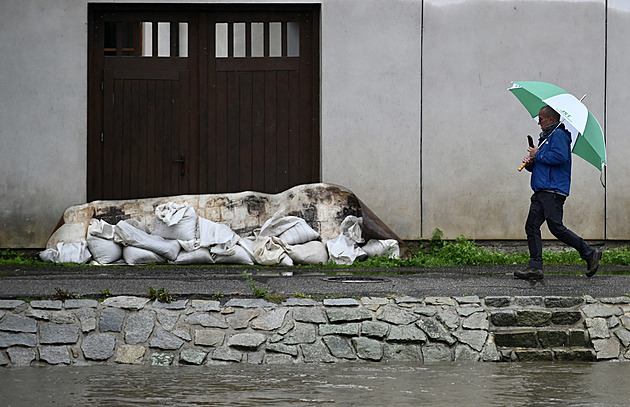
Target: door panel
(201, 99)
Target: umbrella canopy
(587, 138)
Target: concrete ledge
(134, 330)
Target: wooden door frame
(95, 114)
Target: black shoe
(592, 264)
(530, 273)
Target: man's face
(544, 120)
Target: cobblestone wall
(135, 330)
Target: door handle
(182, 163)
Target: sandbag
(212, 233)
(290, 229)
(309, 253)
(240, 256)
(351, 228)
(269, 250)
(135, 256)
(100, 228)
(344, 250)
(176, 221)
(104, 251)
(199, 256)
(76, 252)
(387, 247)
(128, 235)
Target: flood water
(453, 384)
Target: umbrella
(587, 138)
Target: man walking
(550, 165)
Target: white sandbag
(128, 235)
(269, 251)
(135, 256)
(343, 250)
(351, 228)
(199, 256)
(290, 229)
(248, 244)
(387, 247)
(176, 221)
(76, 252)
(240, 256)
(100, 228)
(310, 253)
(104, 251)
(212, 233)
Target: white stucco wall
(415, 119)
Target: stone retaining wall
(135, 330)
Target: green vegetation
(62, 295)
(8, 256)
(262, 293)
(161, 295)
(437, 252)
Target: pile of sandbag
(179, 236)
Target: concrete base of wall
(135, 330)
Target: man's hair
(551, 113)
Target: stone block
(374, 329)
(623, 335)
(351, 329)
(10, 304)
(192, 357)
(575, 355)
(534, 355)
(347, 314)
(440, 301)
(497, 302)
(54, 355)
(503, 318)
(282, 348)
(464, 353)
(271, 320)
(165, 340)
(21, 356)
(339, 347)
(98, 346)
(468, 299)
(597, 328)
(316, 352)
(533, 318)
(130, 354)
(521, 339)
(607, 348)
(301, 333)
(528, 301)
(468, 310)
(162, 359)
(408, 333)
(173, 305)
(206, 305)
(601, 311)
(206, 320)
(246, 341)
(58, 334)
(47, 304)
(241, 317)
(17, 323)
(435, 330)
(566, 317)
(563, 302)
(341, 302)
(434, 353)
(8, 339)
(313, 315)
(139, 327)
(477, 321)
(111, 320)
(300, 302)
(552, 339)
(167, 318)
(369, 349)
(577, 337)
(126, 302)
(473, 338)
(209, 337)
(80, 303)
(397, 352)
(395, 315)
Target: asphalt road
(204, 282)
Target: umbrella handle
(521, 167)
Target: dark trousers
(548, 206)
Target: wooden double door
(201, 99)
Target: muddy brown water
(448, 384)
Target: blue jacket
(551, 170)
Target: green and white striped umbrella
(587, 138)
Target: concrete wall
(415, 115)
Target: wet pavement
(203, 282)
